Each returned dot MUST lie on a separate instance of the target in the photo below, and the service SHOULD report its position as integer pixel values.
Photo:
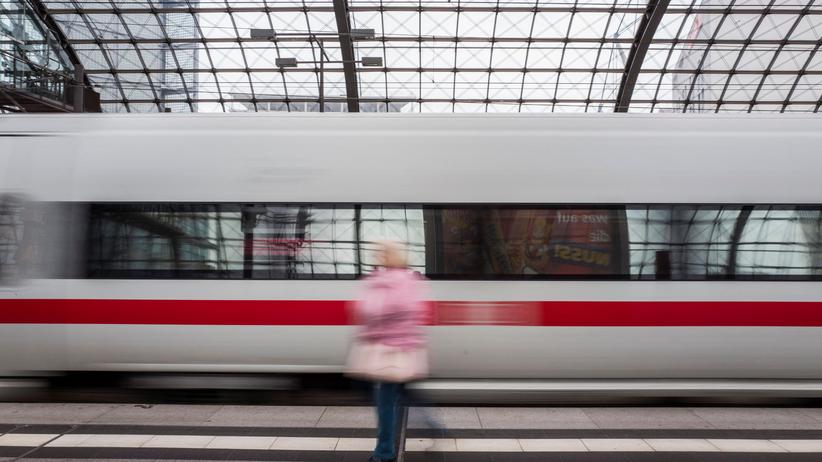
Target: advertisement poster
(514, 241)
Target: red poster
(534, 241)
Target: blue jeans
(389, 406)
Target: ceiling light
(264, 34)
(362, 33)
(372, 61)
(286, 62)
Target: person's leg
(387, 415)
(402, 415)
(413, 399)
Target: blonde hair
(392, 254)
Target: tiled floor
(542, 418)
(504, 445)
(450, 417)
(318, 433)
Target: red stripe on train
(334, 312)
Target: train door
(32, 258)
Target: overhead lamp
(263, 34)
(372, 61)
(286, 62)
(362, 33)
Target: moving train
(664, 252)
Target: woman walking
(390, 347)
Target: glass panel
(12, 246)
(337, 241)
(638, 242)
(781, 242)
(395, 223)
(251, 242)
(512, 242)
(165, 241)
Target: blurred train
(585, 250)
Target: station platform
(137, 432)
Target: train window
(780, 242)
(12, 248)
(336, 241)
(164, 241)
(38, 240)
(293, 242)
(655, 242)
(251, 241)
(399, 223)
(221, 241)
(681, 242)
(527, 242)
(727, 242)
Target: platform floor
(132, 432)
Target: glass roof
(449, 55)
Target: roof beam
(443, 70)
(514, 102)
(569, 7)
(644, 36)
(284, 37)
(347, 51)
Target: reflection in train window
(39, 240)
(264, 241)
(397, 223)
(780, 242)
(725, 242)
(680, 242)
(292, 242)
(337, 241)
(164, 240)
(654, 242)
(12, 248)
(527, 242)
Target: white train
(569, 251)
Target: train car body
(559, 248)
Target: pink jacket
(392, 308)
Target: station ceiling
(448, 55)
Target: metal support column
(322, 75)
(79, 88)
(347, 51)
(644, 35)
